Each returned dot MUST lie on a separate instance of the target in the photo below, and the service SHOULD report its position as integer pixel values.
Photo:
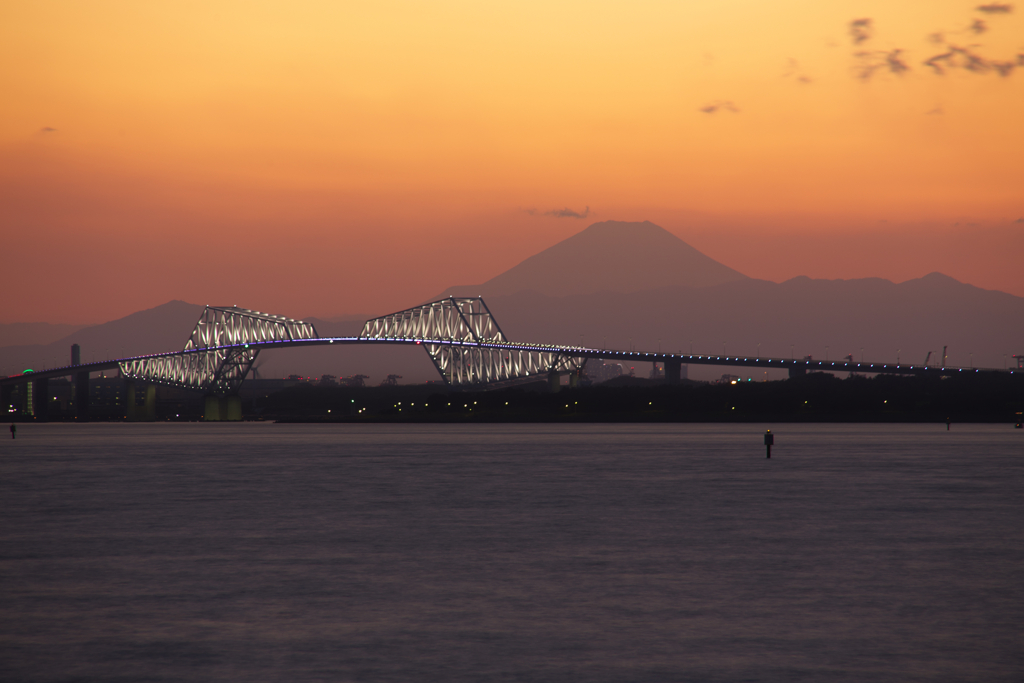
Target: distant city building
(106, 396)
(602, 372)
(61, 394)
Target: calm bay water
(263, 552)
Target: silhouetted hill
(164, 328)
(612, 256)
(25, 334)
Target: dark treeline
(978, 397)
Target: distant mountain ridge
(612, 256)
(798, 317)
(690, 301)
(635, 285)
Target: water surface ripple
(264, 552)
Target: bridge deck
(573, 351)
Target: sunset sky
(321, 158)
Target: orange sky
(357, 158)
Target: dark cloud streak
(568, 213)
(994, 8)
(725, 105)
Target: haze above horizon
(328, 159)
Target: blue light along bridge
(460, 335)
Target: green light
(28, 370)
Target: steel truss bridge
(460, 336)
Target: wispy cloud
(1019, 220)
(895, 63)
(796, 72)
(873, 60)
(568, 213)
(861, 30)
(47, 129)
(967, 58)
(719, 105)
(937, 111)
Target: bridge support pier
(129, 401)
(223, 408)
(673, 370)
(149, 413)
(797, 372)
(554, 382)
(574, 379)
(82, 395)
(136, 413)
(41, 398)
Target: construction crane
(927, 358)
(356, 381)
(255, 369)
(391, 381)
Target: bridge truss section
(216, 357)
(466, 344)
(451, 319)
